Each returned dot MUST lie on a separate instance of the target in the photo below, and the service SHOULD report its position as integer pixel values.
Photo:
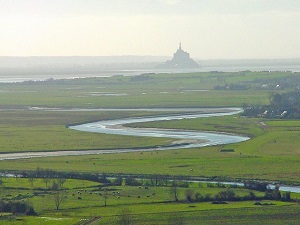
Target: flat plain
(28, 122)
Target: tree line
(282, 105)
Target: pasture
(83, 200)
(28, 124)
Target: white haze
(208, 29)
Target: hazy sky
(208, 29)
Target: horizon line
(158, 56)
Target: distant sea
(40, 76)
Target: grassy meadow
(46, 131)
(271, 154)
(83, 200)
(157, 90)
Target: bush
(250, 196)
(286, 197)
(17, 207)
(201, 198)
(118, 181)
(131, 181)
(273, 194)
(189, 194)
(219, 202)
(257, 186)
(228, 195)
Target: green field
(47, 131)
(83, 200)
(159, 90)
(271, 154)
(270, 145)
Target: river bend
(182, 138)
(190, 138)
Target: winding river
(182, 138)
(189, 139)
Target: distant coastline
(18, 69)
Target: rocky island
(180, 60)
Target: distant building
(181, 60)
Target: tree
(55, 186)
(118, 181)
(46, 180)
(258, 186)
(61, 182)
(189, 194)
(252, 195)
(1, 192)
(58, 198)
(17, 207)
(273, 194)
(105, 196)
(1, 183)
(31, 181)
(276, 99)
(131, 181)
(276, 193)
(174, 191)
(286, 196)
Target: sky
(207, 29)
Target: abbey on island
(181, 60)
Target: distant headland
(181, 60)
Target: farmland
(31, 119)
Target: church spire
(180, 45)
